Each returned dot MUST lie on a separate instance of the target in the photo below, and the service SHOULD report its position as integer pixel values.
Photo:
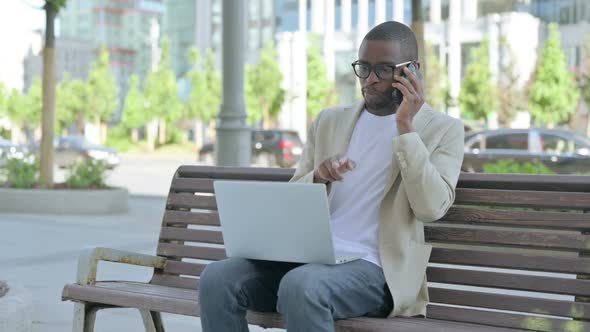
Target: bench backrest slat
(510, 243)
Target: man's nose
(372, 77)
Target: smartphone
(396, 94)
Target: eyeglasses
(383, 71)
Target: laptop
(277, 221)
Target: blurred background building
(452, 27)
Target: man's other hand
(332, 169)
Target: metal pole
(233, 147)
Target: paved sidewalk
(40, 253)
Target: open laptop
(277, 221)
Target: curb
(16, 310)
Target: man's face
(378, 92)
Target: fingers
(332, 169)
(413, 78)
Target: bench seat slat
(509, 302)
(190, 201)
(488, 237)
(170, 280)
(537, 219)
(509, 320)
(172, 217)
(192, 185)
(543, 182)
(509, 281)
(193, 235)
(185, 268)
(183, 251)
(531, 199)
(511, 260)
(235, 173)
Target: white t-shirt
(355, 200)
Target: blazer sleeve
(430, 179)
(305, 169)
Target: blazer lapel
(347, 124)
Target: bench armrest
(90, 256)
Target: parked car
(9, 150)
(273, 147)
(562, 151)
(72, 149)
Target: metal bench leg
(84, 317)
(152, 320)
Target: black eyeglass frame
(373, 67)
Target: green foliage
(321, 92)
(71, 103)
(89, 173)
(264, 87)
(119, 140)
(58, 4)
(103, 100)
(35, 103)
(205, 96)
(437, 84)
(509, 166)
(553, 94)
(134, 110)
(21, 174)
(478, 96)
(584, 77)
(161, 92)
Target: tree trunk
(134, 135)
(162, 132)
(104, 133)
(15, 134)
(151, 134)
(48, 117)
(198, 133)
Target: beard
(390, 99)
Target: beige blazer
(420, 188)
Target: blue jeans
(309, 296)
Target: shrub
(22, 174)
(510, 166)
(87, 174)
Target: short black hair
(396, 32)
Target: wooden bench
(511, 254)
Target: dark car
(72, 149)
(273, 147)
(562, 151)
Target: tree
(512, 98)
(553, 94)
(205, 96)
(437, 84)
(584, 77)
(51, 7)
(321, 92)
(72, 101)
(17, 111)
(134, 115)
(103, 101)
(161, 94)
(264, 90)
(478, 97)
